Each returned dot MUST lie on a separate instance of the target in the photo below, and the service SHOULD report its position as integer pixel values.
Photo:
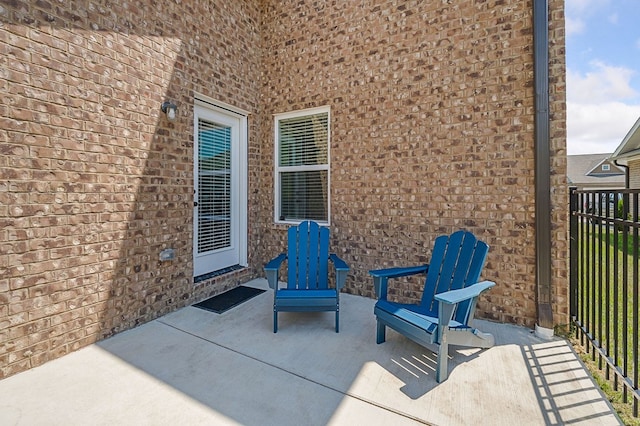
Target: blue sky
(603, 73)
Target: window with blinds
(302, 166)
(214, 186)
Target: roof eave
(630, 145)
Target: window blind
(214, 186)
(304, 140)
(303, 167)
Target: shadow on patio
(197, 367)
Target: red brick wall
(432, 109)
(94, 181)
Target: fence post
(573, 253)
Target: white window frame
(278, 169)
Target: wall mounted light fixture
(170, 109)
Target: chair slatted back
(308, 256)
(456, 262)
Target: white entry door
(219, 214)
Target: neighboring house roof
(630, 146)
(587, 171)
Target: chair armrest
(449, 300)
(341, 270)
(381, 277)
(453, 297)
(271, 269)
(398, 272)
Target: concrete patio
(197, 367)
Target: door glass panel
(214, 186)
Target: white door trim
(203, 103)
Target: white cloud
(577, 12)
(574, 26)
(602, 103)
(597, 116)
(604, 83)
(598, 127)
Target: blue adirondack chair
(444, 315)
(307, 288)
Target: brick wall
(94, 181)
(432, 130)
(432, 109)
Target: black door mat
(227, 300)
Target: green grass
(620, 241)
(607, 293)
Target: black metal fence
(604, 282)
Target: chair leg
(275, 321)
(337, 321)
(442, 369)
(380, 333)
